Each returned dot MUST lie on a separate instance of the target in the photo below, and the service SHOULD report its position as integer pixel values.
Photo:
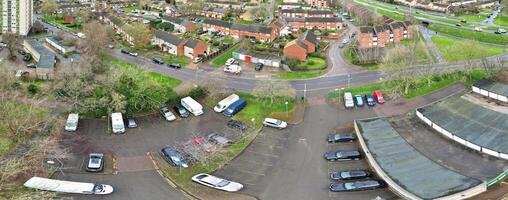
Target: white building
(16, 16)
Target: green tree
(166, 26)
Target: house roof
(366, 29)
(382, 28)
(241, 27)
(176, 20)
(280, 22)
(192, 43)
(168, 37)
(117, 21)
(323, 19)
(217, 22)
(396, 25)
(296, 42)
(309, 36)
(312, 12)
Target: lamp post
(287, 112)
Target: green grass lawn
(474, 17)
(469, 34)
(313, 63)
(501, 20)
(300, 75)
(228, 41)
(258, 109)
(454, 50)
(242, 21)
(221, 59)
(148, 76)
(130, 9)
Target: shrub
(32, 89)
(198, 92)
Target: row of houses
(293, 13)
(293, 5)
(299, 48)
(119, 26)
(312, 3)
(177, 46)
(181, 25)
(261, 33)
(381, 35)
(446, 6)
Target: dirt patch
(502, 77)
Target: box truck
(117, 123)
(192, 106)
(223, 104)
(72, 122)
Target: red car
(379, 96)
(205, 144)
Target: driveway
(289, 164)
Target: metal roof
(471, 122)
(498, 88)
(47, 57)
(410, 169)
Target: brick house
(181, 25)
(314, 22)
(318, 3)
(261, 33)
(383, 33)
(299, 48)
(194, 48)
(217, 13)
(306, 13)
(168, 42)
(119, 26)
(225, 4)
(366, 37)
(281, 26)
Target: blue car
(173, 157)
(358, 100)
(234, 108)
(370, 100)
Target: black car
(259, 67)
(131, 122)
(22, 52)
(498, 32)
(458, 25)
(369, 99)
(217, 138)
(343, 137)
(356, 186)
(181, 111)
(175, 65)
(236, 124)
(463, 21)
(350, 174)
(31, 65)
(173, 157)
(124, 51)
(158, 61)
(342, 155)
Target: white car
(478, 29)
(230, 61)
(217, 183)
(501, 30)
(234, 69)
(275, 123)
(134, 54)
(95, 162)
(168, 115)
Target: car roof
(271, 120)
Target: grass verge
(300, 75)
(145, 77)
(469, 34)
(221, 60)
(454, 50)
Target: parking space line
(264, 154)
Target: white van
(348, 100)
(67, 186)
(225, 103)
(117, 123)
(192, 106)
(234, 69)
(72, 122)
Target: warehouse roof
(471, 122)
(407, 167)
(498, 88)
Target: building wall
(200, 49)
(383, 38)
(398, 34)
(365, 40)
(319, 25)
(296, 52)
(238, 33)
(19, 18)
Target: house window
(374, 39)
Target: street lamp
(287, 112)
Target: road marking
(261, 76)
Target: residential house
(45, 58)
(70, 8)
(383, 33)
(298, 13)
(295, 5)
(58, 45)
(366, 37)
(168, 42)
(261, 33)
(225, 4)
(217, 13)
(318, 3)
(281, 26)
(301, 47)
(181, 25)
(379, 36)
(119, 26)
(194, 48)
(296, 24)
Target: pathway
(427, 35)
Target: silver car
(95, 162)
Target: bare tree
(396, 62)
(49, 7)
(140, 33)
(271, 88)
(13, 42)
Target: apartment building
(16, 16)
(379, 36)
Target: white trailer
(67, 186)
(117, 123)
(72, 122)
(192, 106)
(225, 103)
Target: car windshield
(98, 188)
(345, 174)
(117, 126)
(95, 160)
(176, 158)
(72, 124)
(278, 122)
(223, 183)
(349, 186)
(338, 154)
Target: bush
(198, 92)
(32, 89)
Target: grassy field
(300, 75)
(454, 50)
(474, 17)
(258, 109)
(472, 35)
(313, 63)
(149, 76)
(221, 59)
(501, 20)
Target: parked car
(378, 95)
(348, 100)
(356, 185)
(181, 111)
(235, 107)
(175, 65)
(95, 162)
(204, 144)
(478, 29)
(168, 115)
(218, 139)
(226, 102)
(497, 32)
(343, 137)
(259, 67)
(230, 61)
(158, 61)
(342, 155)
(124, 51)
(72, 122)
(234, 69)
(463, 21)
(350, 174)
(459, 25)
(217, 183)
(501, 30)
(134, 54)
(358, 100)
(236, 124)
(370, 100)
(131, 122)
(173, 157)
(31, 65)
(197, 59)
(274, 123)
(22, 52)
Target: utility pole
(348, 80)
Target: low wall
(401, 191)
(489, 94)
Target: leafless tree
(271, 88)
(13, 42)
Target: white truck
(225, 103)
(348, 100)
(67, 186)
(192, 106)
(72, 122)
(117, 123)
(234, 69)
